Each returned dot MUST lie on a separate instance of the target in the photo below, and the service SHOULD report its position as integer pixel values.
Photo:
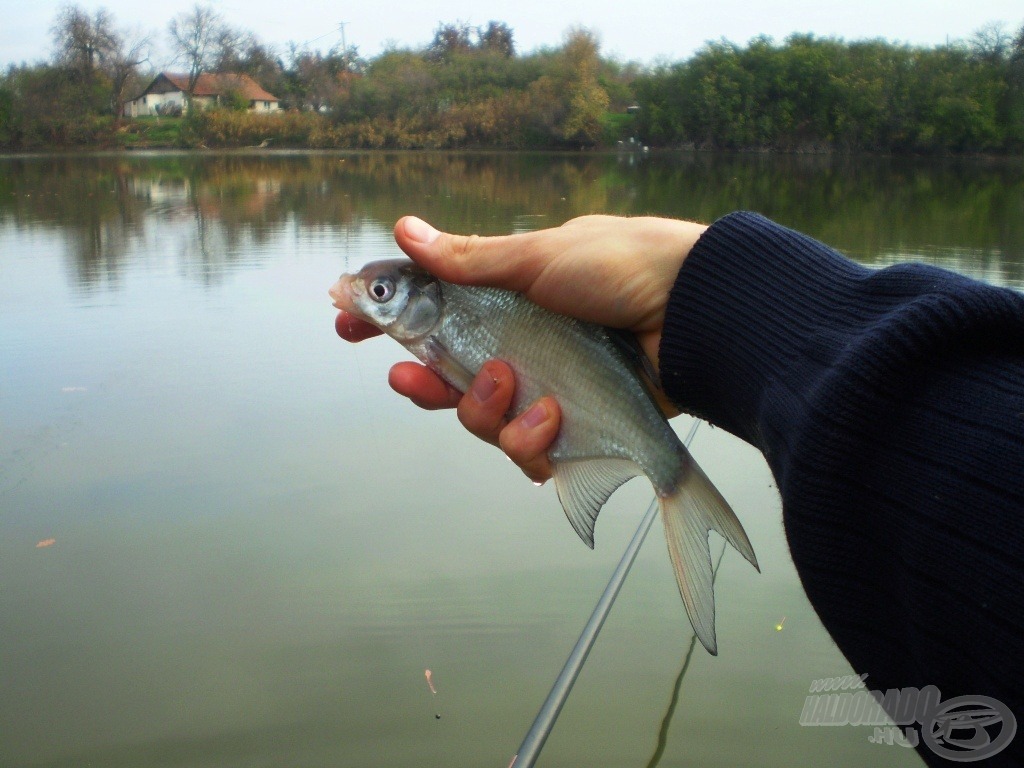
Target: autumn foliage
(470, 88)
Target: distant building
(166, 94)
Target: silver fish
(611, 428)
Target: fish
(611, 429)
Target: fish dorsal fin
(584, 486)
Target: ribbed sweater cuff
(747, 297)
(765, 324)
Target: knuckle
(478, 421)
(516, 446)
(459, 247)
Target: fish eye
(382, 289)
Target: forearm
(890, 407)
(774, 336)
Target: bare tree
(195, 37)
(98, 56)
(244, 53)
(82, 42)
(231, 48)
(131, 50)
(992, 43)
(313, 79)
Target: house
(166, 94)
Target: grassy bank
(222, 129)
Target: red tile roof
(218, 84)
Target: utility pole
(341, 26)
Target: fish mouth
(344, 293)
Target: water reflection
(666, 721)
(256, 556)
(210, 210)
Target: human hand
(604, 269)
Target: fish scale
(481, 324)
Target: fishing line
(659, 750)
(543, 724)
(433, 689)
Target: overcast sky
(629, 31)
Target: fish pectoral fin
(584, 486)
(440, 360)
(694, 509)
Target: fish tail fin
(695, 508)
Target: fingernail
(483, 387)
(535, 416)
(420, 231)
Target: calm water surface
(258, 548)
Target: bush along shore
(470, 89)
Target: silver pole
(530, 749)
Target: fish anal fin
(584, 486)
(694, 509)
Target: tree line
(824, 93)
(470, 87)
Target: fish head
(396, 295)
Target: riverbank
(225, 130)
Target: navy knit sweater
(889, 405)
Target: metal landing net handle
(530, 749)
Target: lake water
(258, 549)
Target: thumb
(501, 262)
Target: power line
(341, 27)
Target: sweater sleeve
(889, 405)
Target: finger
(504, 261)
(351, 328)
(424, 387)
(482, 411)
(528, 437)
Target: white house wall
(155, 104)
(159, 103)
